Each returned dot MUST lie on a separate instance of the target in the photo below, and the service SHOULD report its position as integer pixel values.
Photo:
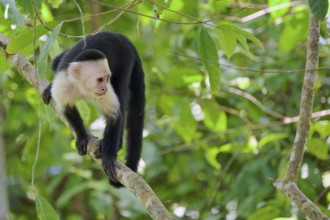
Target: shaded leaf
(319, 8)
(210, 60)
(25, 37)
(42, 61)
(25, 7)
(45, 210)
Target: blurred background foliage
(208, 153)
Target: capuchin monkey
(106, 69)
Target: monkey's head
(90, 72)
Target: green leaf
(271, 138)
(227, 40)
(250, 37)
(215, 120)
(42, 61)
(323, 128)
(211, 157)
(295, 31)
(45, 210)
(319, 8)
(25, 7)
(25, 37)
(234, 34)
(318, 148)
(210, 60)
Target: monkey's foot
(109, 166)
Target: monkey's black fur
(127, 80)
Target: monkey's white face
(91, 77)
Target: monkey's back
(119, 51)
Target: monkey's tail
(135, 116)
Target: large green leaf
(209, 55)
(45, 210)
(25, 37)
(42, 61)
(319, 8)
(318, 148)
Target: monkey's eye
(100, 79)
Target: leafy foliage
(209, 152)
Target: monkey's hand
(47, 95)
(81, 145)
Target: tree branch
(133, 181)
(288, 185)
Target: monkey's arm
(109, 146)
(73, 117)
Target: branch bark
(134, 182)
(288, 185)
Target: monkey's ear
(74, 69)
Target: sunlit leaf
(323, 128)
(211, 157)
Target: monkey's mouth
(99, 94)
